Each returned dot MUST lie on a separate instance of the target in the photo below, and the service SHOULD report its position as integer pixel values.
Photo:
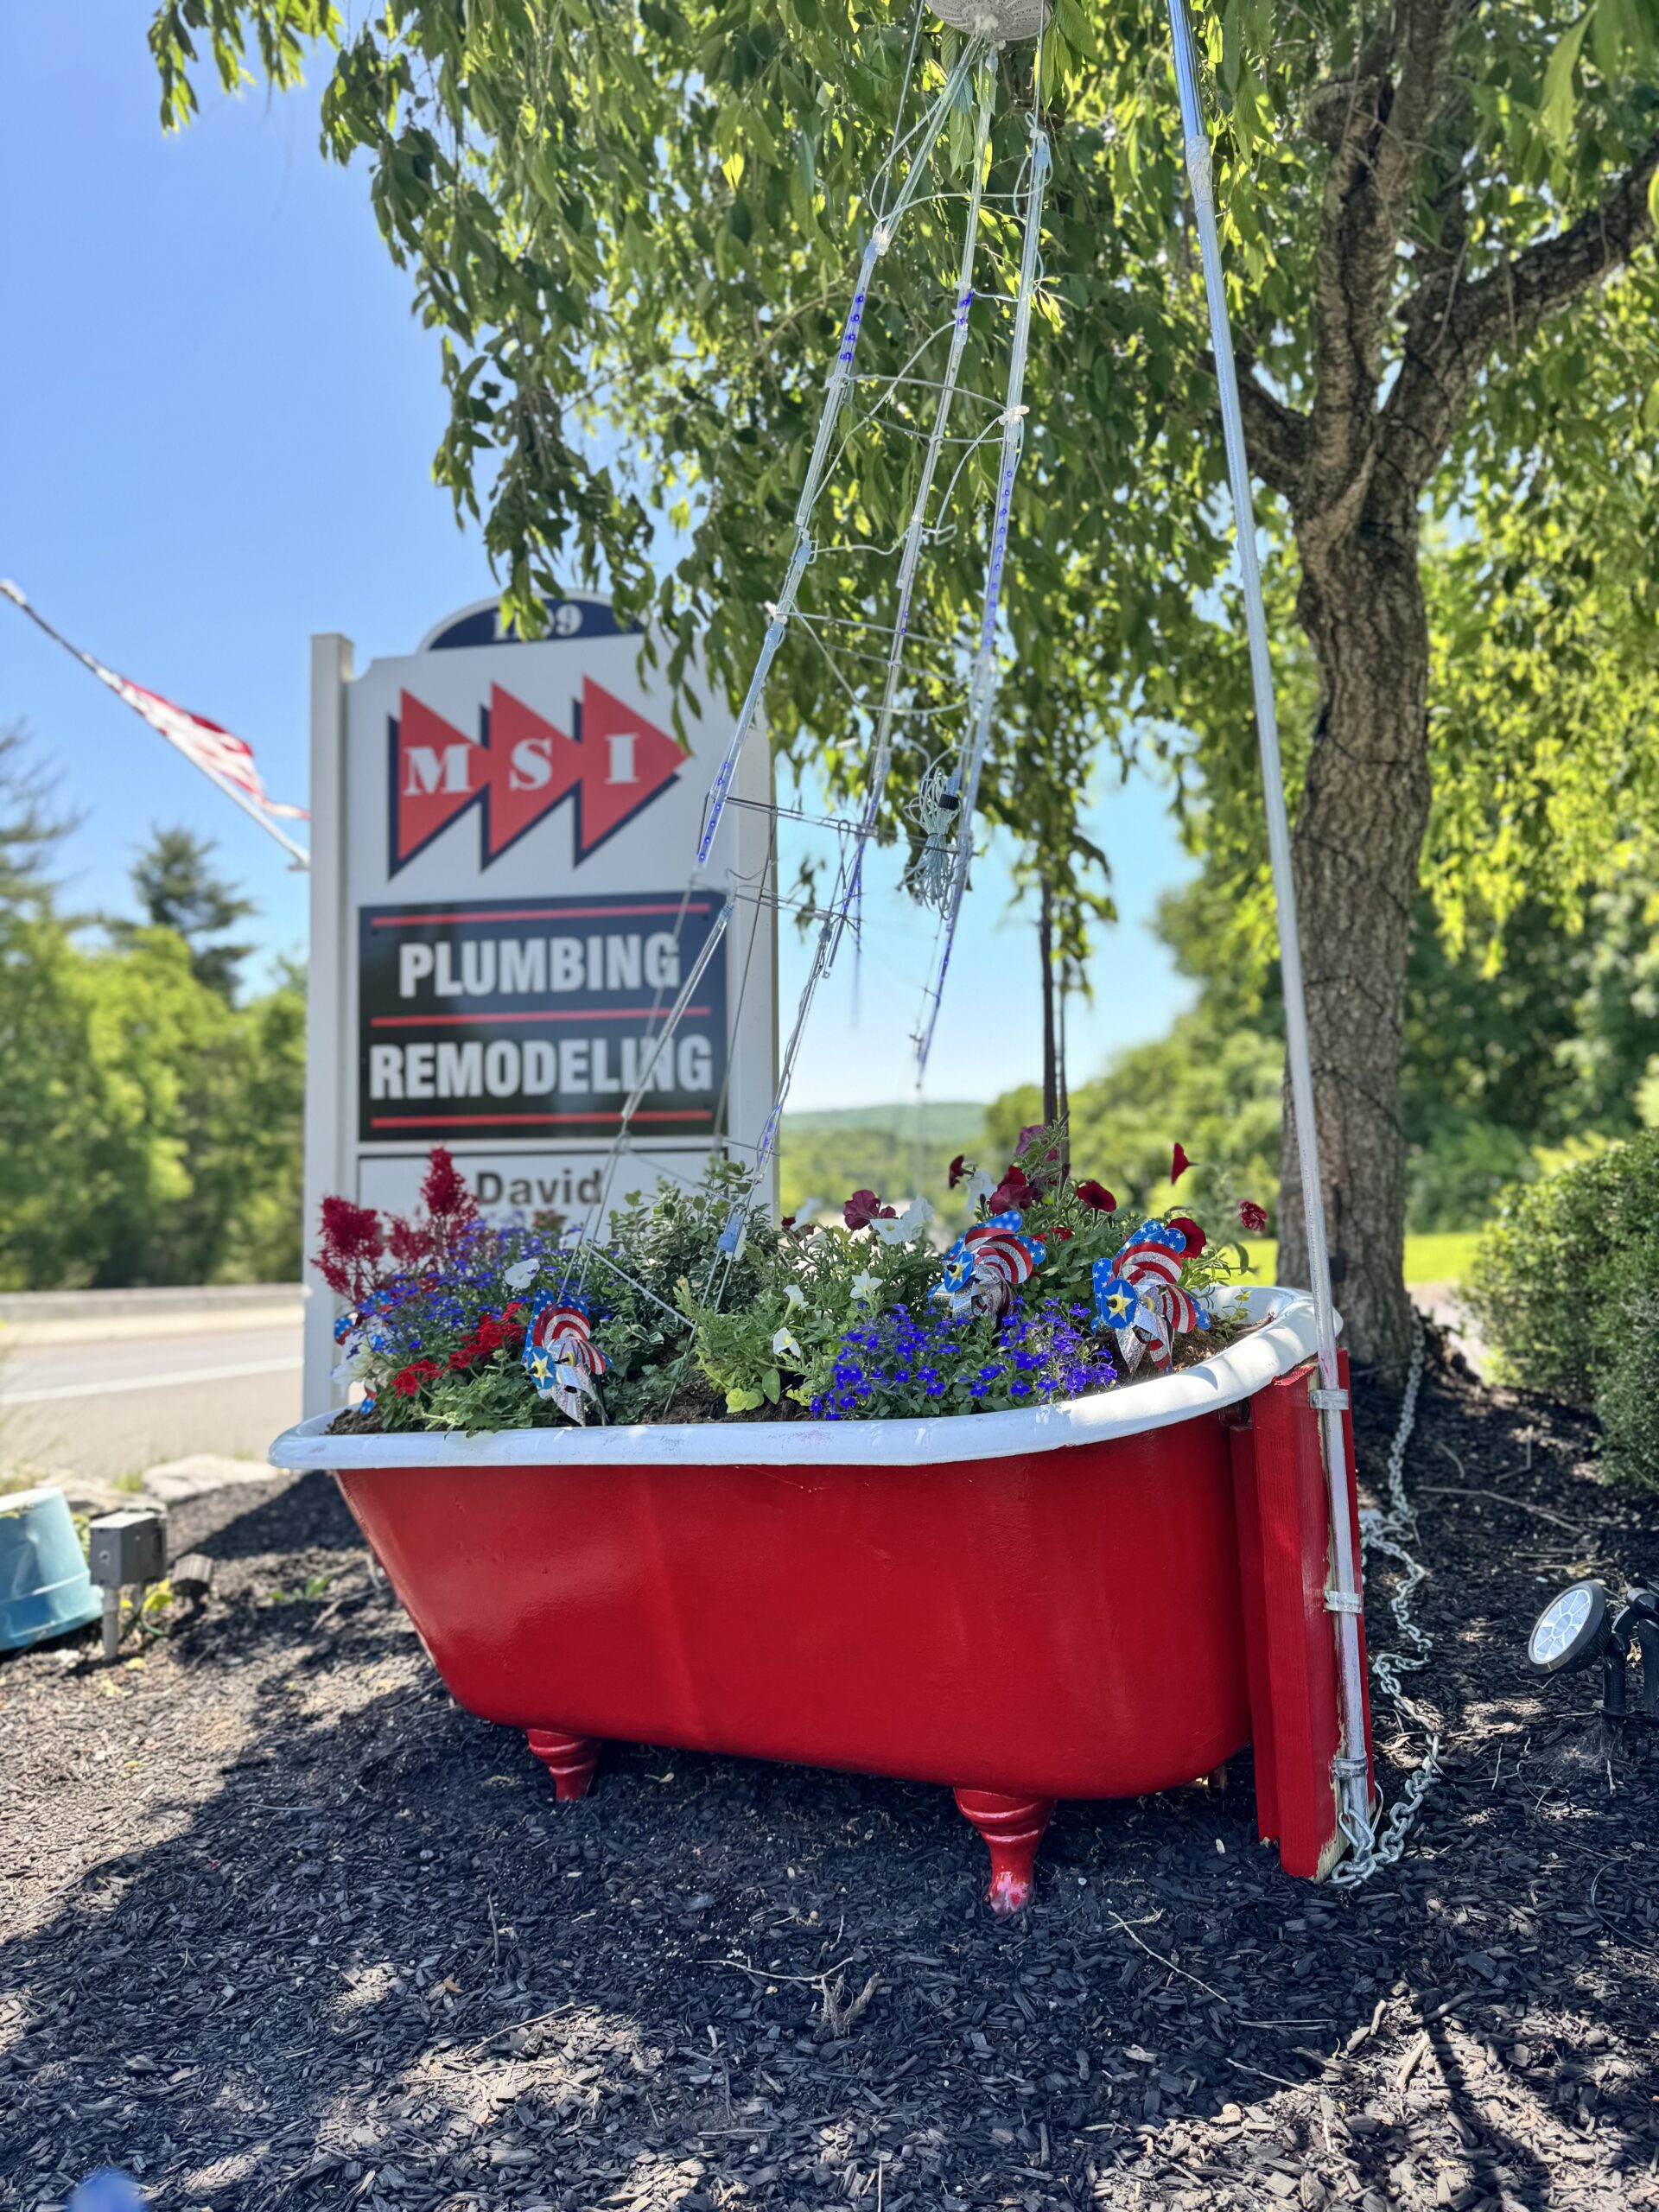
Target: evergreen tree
(31, 828)
(178, 889)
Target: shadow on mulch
(286, 1929)
(307, 1513)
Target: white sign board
(502, 836)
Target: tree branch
(1378, 126)
(1275, 436)
(1452, 327)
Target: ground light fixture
(1581, 1624)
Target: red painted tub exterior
(1064, 1625)
(1101, 1616)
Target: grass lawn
(1429, 1259)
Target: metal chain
(1390, 1531)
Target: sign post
(503, 835)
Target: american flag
(227, 759)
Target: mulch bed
(282, 1928)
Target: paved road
(114, 1408)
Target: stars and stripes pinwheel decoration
(987, 1264)
(1138, 1295)
(561, 1358)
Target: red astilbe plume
(409, 1240)
(428, 1238)
(450, 1206)
(352, 1245)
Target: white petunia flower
(522, 1274)
(783, 1347)
(794, 1294)
(980, 1187)
(865, 1287)
(909, 1225)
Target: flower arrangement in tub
(1051, 1292)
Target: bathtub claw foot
(569, 1759)
(1013, 1828)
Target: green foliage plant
(825, 1320)
(1564, 1287)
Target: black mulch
(284, 1929)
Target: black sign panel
(537, 1018)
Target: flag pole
(250, 807)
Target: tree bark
(1359, 835)
(1051, 1058)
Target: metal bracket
(1344, 1601)
(1328, 1401)
(1346, 1770)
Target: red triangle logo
(532, 766)
(626, 762)
(436, 773)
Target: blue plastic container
(45, 1589)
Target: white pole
(330, 1136)
(1351, 1770)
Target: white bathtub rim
(1284, 1340)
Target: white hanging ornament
(999, 21)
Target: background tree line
(150, 1117)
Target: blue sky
(218, 417)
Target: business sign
(503, 836)
(508, 1015)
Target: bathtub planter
(1098, 1598)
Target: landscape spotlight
(1580, 1625)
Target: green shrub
(1627, 1394)
(1565, 1286)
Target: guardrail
(43, 1317)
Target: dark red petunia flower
(1014, 1193)
(1251, 1217)
(1061, 1234)
(787, 1222)
(864, 1207)
(1179, 1164)
(1195, 1239)
(958, 1169)
(1097, 1197)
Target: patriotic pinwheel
(561, 1357)
(988, 1263)
(1138, 1295)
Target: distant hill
(895, 1151)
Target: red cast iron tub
(1021, 1606)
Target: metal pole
(1350, 1772)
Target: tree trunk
(1357, 850)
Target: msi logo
(612, 764)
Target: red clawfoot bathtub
(1094, 1599)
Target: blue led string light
(962, 786)
(780, 610)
